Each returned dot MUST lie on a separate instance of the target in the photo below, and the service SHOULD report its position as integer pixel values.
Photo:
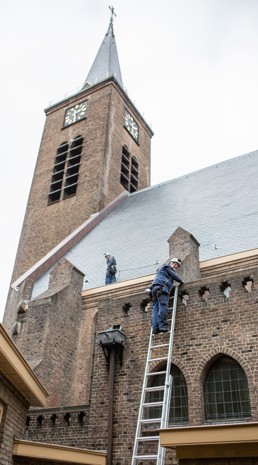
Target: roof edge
(18, 371)
(215, 165)
(43, 451)
(209, 441)
(228, 258)
(143, 281)
(70, 241)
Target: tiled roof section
(106, 63)
(218, 205)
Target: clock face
(76, 113)
(131, 126)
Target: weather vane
(112, 13)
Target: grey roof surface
(218, 205)
(106, 63)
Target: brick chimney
(183, 245)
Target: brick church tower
(95, 145)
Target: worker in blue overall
(160, 289)
(111, 269)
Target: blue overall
(110, 277)
(161, 287)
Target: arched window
(66, 170)
(179, 400)
(226, 394)
(129, 171)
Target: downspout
(111, 402)
(111, 341)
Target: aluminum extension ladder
(148, 442)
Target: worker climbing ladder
(147, 446)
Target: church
(74, 349)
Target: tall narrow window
(125, 168)
(134, 175)
(226, 395)
(58, 173)
(66, 170)
(129, 171)
(179, 399)
(73, 166)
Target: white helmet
(176, 260)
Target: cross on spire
(112, 13)
(106, 63)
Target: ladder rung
(162, 332)
(145, 457)
(155, 373)
(150, 420)
(154, 388)
(152, 404)
(159, 345)
(159, 359)
(148, 438)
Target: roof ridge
(254, 152)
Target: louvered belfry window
(129, 171)
(65, 174)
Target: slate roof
(106, 63)
(218, 205)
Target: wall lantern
(112, 339)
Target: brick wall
(13, 419)
(207, 325)
(204, 329)
(64, 426)
(51, 338)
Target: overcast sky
(190, 67)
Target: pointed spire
(106, 63)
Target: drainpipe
(110, 407)
(111, 341)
